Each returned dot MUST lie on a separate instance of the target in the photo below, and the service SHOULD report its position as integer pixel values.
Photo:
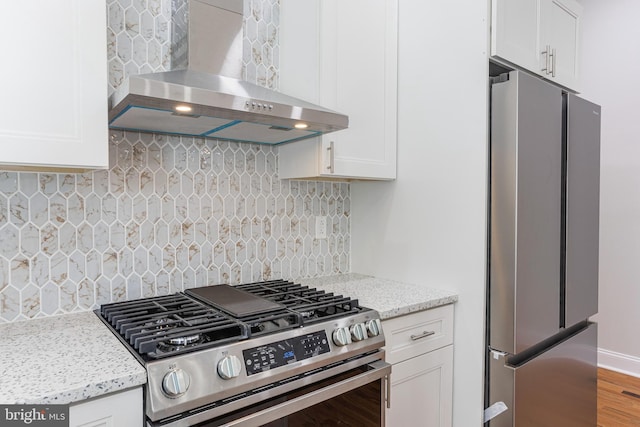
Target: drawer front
(418, 333)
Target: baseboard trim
(623, 363)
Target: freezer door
(583, 207)
(526, 190)
(557, 388)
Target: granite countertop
(69, 358)
(63, 359)
(387, 297)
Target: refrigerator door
(556, 388)
(583, 207)
(526, 184)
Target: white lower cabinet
(122, 409)
(421, 390)
(420, 348)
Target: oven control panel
(281, 353)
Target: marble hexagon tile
(171, 212)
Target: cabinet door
(123, 409)
(360, 78)
(348, 51)
(422, 390)
(514, 32)
(540, 36)
(54, 84)
(418, 333)
(559, 29)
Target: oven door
(357, 397)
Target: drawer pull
(422, 335)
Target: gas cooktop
(216, 349)
(201, 318)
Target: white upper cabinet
(54, 84)
(541, 36)
(343, 56)
(559, 33)
(514, 32)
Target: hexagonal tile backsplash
(171, 212)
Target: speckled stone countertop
(63, 359)
(388, 297)
(69, 358)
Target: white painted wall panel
(610, 69)
(428, 227)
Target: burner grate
(164, 326)
(168, 325)
(310, 304)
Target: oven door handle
(381, 370)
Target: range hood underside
(148, 104)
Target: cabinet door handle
(422, 335)
(547, 59)
(331, 151)
(553, 62)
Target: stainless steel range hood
(207, 98)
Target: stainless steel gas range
(260, 354)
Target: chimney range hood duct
(208, 99)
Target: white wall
(428, 227)
(610, 64)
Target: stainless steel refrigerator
(543, 272)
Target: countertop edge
(414, 308)
(90, 391)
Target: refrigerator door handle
(543, 346)
(497, 354)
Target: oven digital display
(281, 353)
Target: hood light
(301, 125)
(183, 108)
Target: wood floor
(618, 399)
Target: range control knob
(374, 327)
(358, 332)
(341, 337)
(176, 383)
(229, 367)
